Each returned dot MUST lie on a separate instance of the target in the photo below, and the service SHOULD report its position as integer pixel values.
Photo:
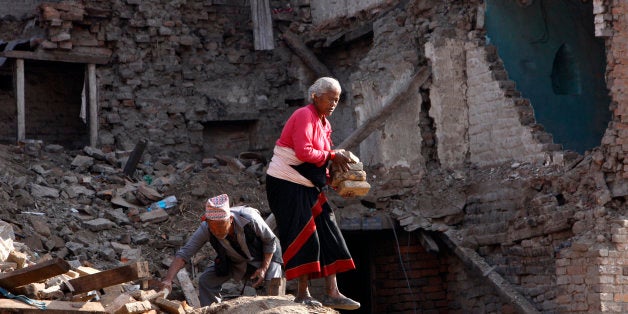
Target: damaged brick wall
(177, 70)
(417, 285)
(555, 231)
(610, 23)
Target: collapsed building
(494, 131)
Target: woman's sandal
(341, 303)
(308, 301)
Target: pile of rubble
(81, 216)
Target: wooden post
(131, 163)
(93, 105)
(262, 25)
(374, 122)
(308, 57)
(19, 93)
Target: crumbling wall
(610, 23)
(375, 82)
(325, 10)
(19, 9)
(180, 65)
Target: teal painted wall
(549, 49)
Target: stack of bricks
(71, 26)
(351, 183)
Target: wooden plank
(373, 123)
(308, 57)
(19, 93)
(56, 56)
(188, 288)
(35, 273)
(478, 265)
(262, 25)
(110, 277)
(93, 105)
(52, 307)
(172, 307)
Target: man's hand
(166, 286)
(260, 274)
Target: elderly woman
(296, 177)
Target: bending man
(246, 248)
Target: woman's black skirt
(312, 242)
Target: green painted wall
(549, 49)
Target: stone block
(352, 175)
(99, 224)
(353, 188)
(134, 307)
(154, 216)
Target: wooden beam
(110, 277)
(188, 288)
(93, 105)
(408, 89)
(308, 57)
(52, 307)
(428, 242)
(59, 56)
(477, 264)
(19, 93)
(262, 25)
(34, 273)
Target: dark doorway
(52, 96)
(358, 284)
(53, 103)
(228, 138)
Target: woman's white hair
(323, 85)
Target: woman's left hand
(341, 161)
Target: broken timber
(473, 261)
(188, 288)
(35, 273)
(52, 307)
(404, 92)
(110, 277)
(70, 57)
(262, 25)
(308, 57)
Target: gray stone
(99, 224)
(119, 247)
(154, 216)
(99, 168)
(75, 190)
(19, 182)
(75, 247)
(53, 148)
(40, 225)
(82, 162)
(39, 191)
(141, 238)
(118, 216)
(94, 152)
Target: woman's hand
(340, 161)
